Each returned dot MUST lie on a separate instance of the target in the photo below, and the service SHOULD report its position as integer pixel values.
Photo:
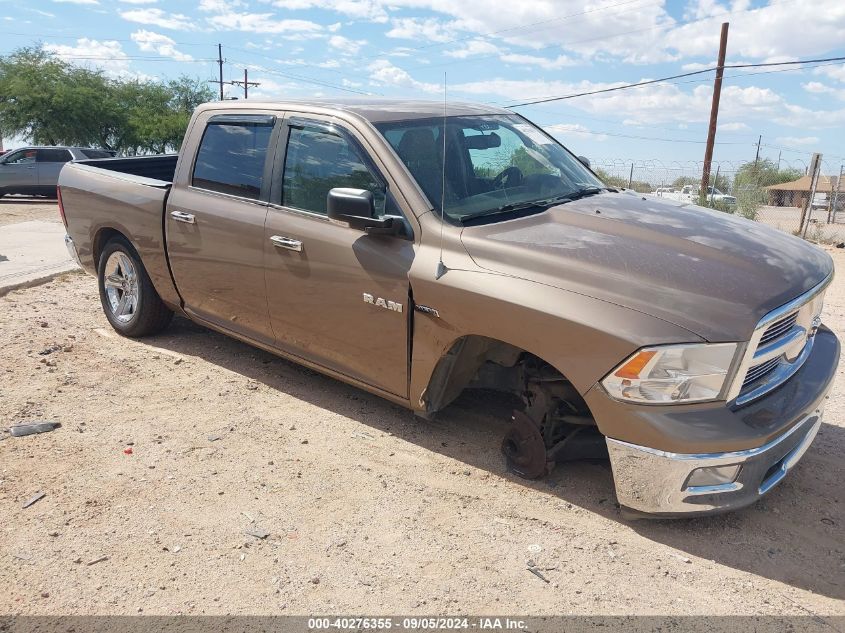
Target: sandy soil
(368, 509)
(14, 209)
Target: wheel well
(102, 238)
(553, 423)
(478, 362)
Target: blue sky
(496, 51)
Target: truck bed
(127, 195)
(160, 167)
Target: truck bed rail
(159, 167)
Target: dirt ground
(368, 509)
(14, 209)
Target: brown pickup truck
(416, 252)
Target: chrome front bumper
(71, 249)
(662, 483)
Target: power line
(129, 58)
(665, 79)
(646, 138)
(325, 84)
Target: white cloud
(76, 1)
(797, 140)
(473, 48)
(736, 126)
(157, 17)
(560, 61)
(634, 32)
(373, 10)
(107, 55)
(817, 87)
(385, 73)
(661, 103)
(148, 41)
(139, 1)
(570, 130)
(834, 72)
(349, 47)
(765, 32)
(219, 6)
(421, 29)
(262, 23)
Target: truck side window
(316, 162)
(231, 159)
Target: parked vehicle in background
(661, 192)
(416, 253)
(34, 171)
(690, 193)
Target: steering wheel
(509, 176)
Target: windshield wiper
(583, 193)
(539, 204)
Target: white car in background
(690, 193)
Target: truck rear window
(231, 158)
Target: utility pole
(807, 210)
(220, 81)
(714, 115)
(835, 201)
(757, 156)
(246, 83)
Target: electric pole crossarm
(246, 83)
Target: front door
(215, 225)
(17, 172)
(337, 296)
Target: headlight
(672, 374)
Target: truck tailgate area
(100, 202)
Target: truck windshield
(493, 165)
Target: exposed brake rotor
(524, 447)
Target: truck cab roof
(372, 110)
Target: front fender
(582, 337)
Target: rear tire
(130, 302)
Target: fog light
(713, 475)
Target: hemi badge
(426, 310)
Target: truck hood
(709, 272)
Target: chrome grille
(782, 341)
(758, 371)
(779, 328)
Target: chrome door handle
(287, 242)
(181, 216)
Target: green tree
(750, 181)
(50, 102)
(640, 186)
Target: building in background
(797, 192)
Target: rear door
(48, 163)
(215, 223)
(17, 172)
(337, 296)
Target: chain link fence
(782, 194)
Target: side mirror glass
(356, 208)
